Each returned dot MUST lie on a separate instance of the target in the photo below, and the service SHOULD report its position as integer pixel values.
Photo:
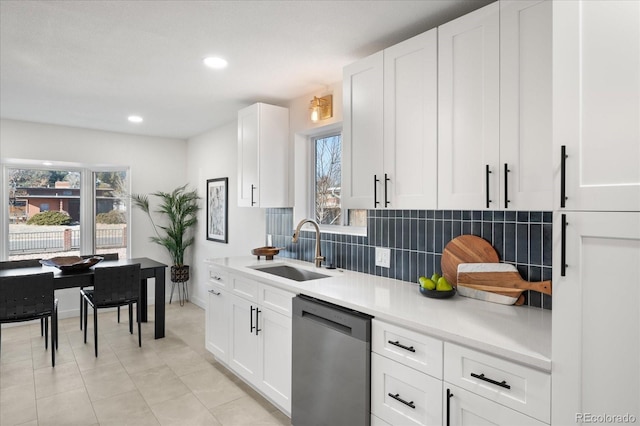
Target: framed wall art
(218, 209)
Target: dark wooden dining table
(149, 268)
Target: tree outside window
(328, 175)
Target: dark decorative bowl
(435, 294)
(72, 263)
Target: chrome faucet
(296, 234)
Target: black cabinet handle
(375, 191)
(251, 319)
(400, 345)
(397, 398)
(386, 180)
(252, 189)
(506, 186)
(487, 172)
(502, 384)
(257, 313)
(449, 396)
(563, 176)
(563, 246)
(214, 292)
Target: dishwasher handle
(346, 321)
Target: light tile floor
(170, 381)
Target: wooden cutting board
(502, 275)
(465, 249)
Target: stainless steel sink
(289, 272)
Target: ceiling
(91, 64)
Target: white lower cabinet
(504, 382)
(466, 408)
(217, 324)
(274, 346)
(403, 396)
(243, 342)
(420, 380)
(377, 421)
(249, 330)
(406, 376)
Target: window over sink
(325, 196)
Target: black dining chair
(24, 263)
(113, 286)
(105, 256)
(30, 297)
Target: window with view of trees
(45, 212)
(328, 180)
(328, 177)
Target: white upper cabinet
(362, 132)
(596, 104)
(526, 151)
(411, 124)
(390, 127)
(469, 110)
(263, 156)
(494, 111)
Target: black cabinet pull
(251, 319)
(386, 180)
(502, 384)
(252, 189)
(257, 313)
(400, 345)
(214, 292)
(397, 398)
(563, 246)
(506, 186)
(375, 191)
(563, 175)
(487, 172)
(449, 396)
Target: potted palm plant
(180, 209)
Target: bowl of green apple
(436, 287)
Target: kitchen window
(326, 194)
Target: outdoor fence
(63, 240)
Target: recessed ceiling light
(47, 163)
(135, 119)
(215, 62)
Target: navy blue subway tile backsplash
(417, 238)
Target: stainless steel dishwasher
(331, 365)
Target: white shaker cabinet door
(217, 325)
(275, 349)
(464, 408)
(248, 151)
(411, 123)
(596, 104)
(596, 321)
(243, 342)
(468, 110)
(526, 146)
(362, 133)
(263, 156)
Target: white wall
(155, 164)
(214, 155)
(300, 128)
(162, 164)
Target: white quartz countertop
(518, 333)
